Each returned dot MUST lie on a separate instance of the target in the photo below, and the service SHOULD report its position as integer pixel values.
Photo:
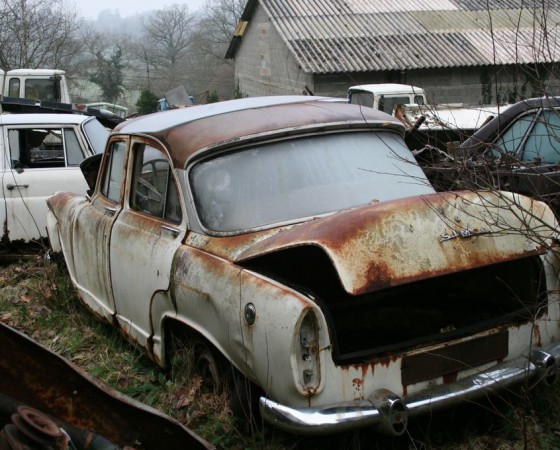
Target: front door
(145, 238)
(91, 234)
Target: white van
(385, 97)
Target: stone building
(459, 51)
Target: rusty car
(298, 243)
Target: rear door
(40, 160)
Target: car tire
(243, 399)
(220, 377)
(210, 368)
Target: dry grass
(37, 299)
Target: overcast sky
(89, 9)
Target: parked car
(297, 241)
(41, 154)
(518, 150)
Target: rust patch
(377, 246)
(537, 340)
(450, 378)
(231, 128)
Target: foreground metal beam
(37, 377)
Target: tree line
(176, 46)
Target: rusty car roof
(188, 130)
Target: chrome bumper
(389, 413)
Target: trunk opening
(398, 319)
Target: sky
(89, 9)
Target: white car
(41, 154)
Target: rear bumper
(389, 413)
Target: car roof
(187, 131)
(31, 119)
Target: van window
(13, 87)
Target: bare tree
(213, 74)
(38, 33)
(219, 20)
(167, 43)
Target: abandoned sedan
(296, 240)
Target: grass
(37, 298)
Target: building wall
(263, 64)
(466, 85)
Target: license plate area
(450, 360)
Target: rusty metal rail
(38, 378)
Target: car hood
(387, 244)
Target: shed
(458, 51)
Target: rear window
(300, 178)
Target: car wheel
(209, 367)
(243, 399)
(220, 377)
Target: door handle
(11, 186)
(174, 231)
(110, 210)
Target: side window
(362, 98)
(512, 138)
(113, 172)
(13, 87)
(543, 143)
(154, 190)
(43, 147)
(74, 154)
(419, 99)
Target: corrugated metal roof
(328, 36)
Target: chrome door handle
(11, 186)
(174, 231)
(110, 210)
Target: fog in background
(90, 9)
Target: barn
(459, 51)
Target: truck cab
(35, 84)
(385, 97)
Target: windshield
(301, 178)
(97, 135)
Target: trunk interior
(394, 320)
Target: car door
(144, 239)
(40, 160)
(91, 231)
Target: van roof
(35, 72)
(387, 88)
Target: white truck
(35, 84)
(386, 96)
